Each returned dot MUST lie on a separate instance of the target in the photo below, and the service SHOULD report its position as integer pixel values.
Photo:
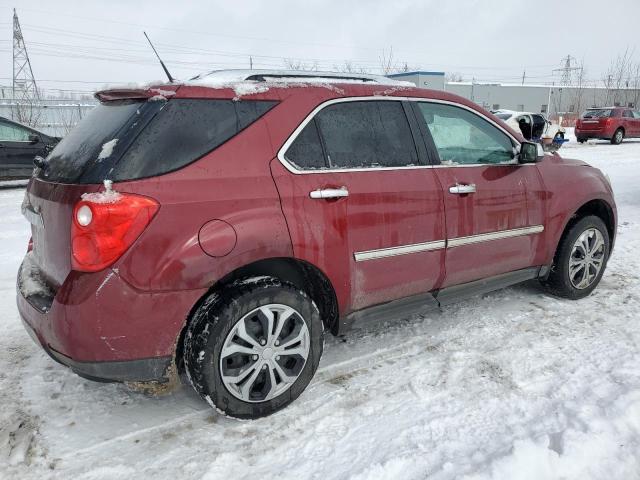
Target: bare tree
(387, 62)
(620, 78)
(297, 64)
(453, 77)
(349, 67)
(28, 112)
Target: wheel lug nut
(264, 367)
(254, 357)
(277, 357)
(277, 343)
(263, 342)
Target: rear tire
(253, 347)
(618, 136)
(580, 260)
(581, 139)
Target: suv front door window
(463, 138)
(492, 204)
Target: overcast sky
(81, 45)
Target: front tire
(618, 136)
(253, 347)
(580, 260)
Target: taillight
(104, 227)
(30, 245)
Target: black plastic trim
(143, 370)
(437, 298)
(452, 294)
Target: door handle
(326, 193)
(462, 189)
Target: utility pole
(250, 62)
(24, 84)
(524, 74)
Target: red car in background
(220, 226)
(611, 123)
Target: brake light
(105, 225)
(30, 245)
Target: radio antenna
(164, 67)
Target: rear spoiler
(135, 93)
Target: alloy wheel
(264, 353)
(587, 258)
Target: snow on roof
(250, 82)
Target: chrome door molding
(400, 250)
(499, 235)
(442, 244)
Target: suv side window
(365, 134)
(464, 138)
(636, 115)
(306, 151)
(627, 114)
(13, 133)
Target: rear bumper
(104, 329)
(602, 133)
(144, 370)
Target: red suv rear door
(494, 206)
(360, 202)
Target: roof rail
(293, 75)
(263, 77)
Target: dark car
(612, 123)
(239, 221)
(19, 145)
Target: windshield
(597, 113)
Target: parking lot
(513, 381)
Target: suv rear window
(127, 140)
(367, 134)
(598, 113)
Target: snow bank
(107, 149)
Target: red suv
(613, 123)
(220, 227)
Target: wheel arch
(302, 274)
(597, 207)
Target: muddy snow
(511, 385)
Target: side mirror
(34, 138)
(529, 152)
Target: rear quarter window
(184, 131)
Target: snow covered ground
(512, 385)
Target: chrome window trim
(445, 244)
(293, 169)
(499, 235)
